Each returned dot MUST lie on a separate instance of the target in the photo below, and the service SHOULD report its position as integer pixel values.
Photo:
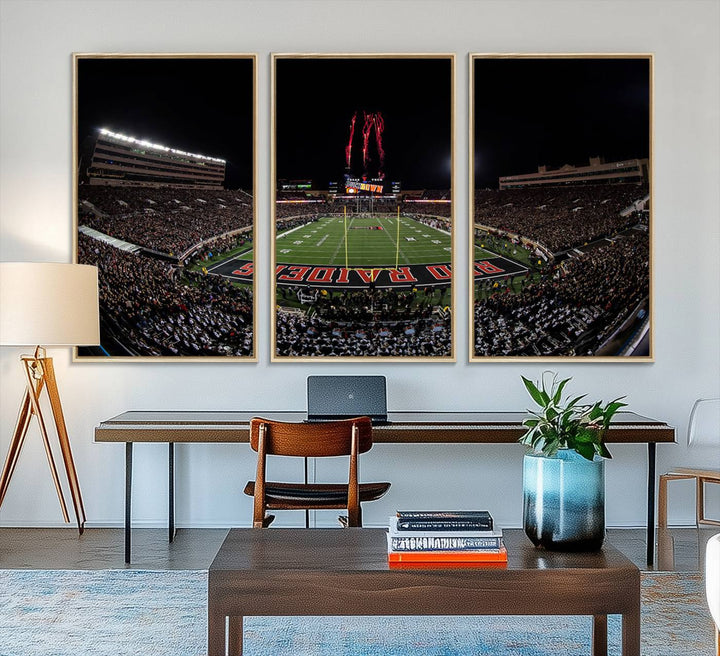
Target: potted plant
(564, 467)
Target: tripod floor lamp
(46, 304)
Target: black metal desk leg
(307, 512)
(128, 497)
(651, 505)
(171, 491)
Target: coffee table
(279, 572)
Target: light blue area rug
(132, 612)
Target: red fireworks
(348, 148)
(371, 121)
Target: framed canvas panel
(164, 198)
(560, 198)
(363, 207)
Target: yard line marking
(340, 243)
(395, 244)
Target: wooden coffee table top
(272, 550)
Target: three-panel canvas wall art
(362, 215)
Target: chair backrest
(704, 423)
(311, 440)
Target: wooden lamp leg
(15, 444)
(64, 440)
(39, 374)
(35, 383)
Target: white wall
(37, 38)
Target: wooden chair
(703, 429)
(701, 477)
(349, 437)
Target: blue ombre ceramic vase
(564, 501)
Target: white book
(394, 532)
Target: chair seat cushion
(315, 495)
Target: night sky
(530, 112)
(527, 112)
(202, 106)
(317, 98)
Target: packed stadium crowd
(559, 217)
(427, 209)
(214, 247)
(287, 210)
(155, 308)
(365, 322)
(295, 222)
(374, 305)
(436, 194)
(167, 220)
(298, 335)
(573, 310)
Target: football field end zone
(336, 277)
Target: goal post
(397, 240)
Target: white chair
(712, 584)
(703, 431)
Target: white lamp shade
(48, 304)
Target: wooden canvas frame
(360, 70)
(495, 79)
(208, 104)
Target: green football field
(323, 243)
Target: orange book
(448, 565)
(450, 557)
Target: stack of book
(445, 538)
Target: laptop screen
(340, 397)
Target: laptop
(330, 398)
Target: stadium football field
(371, 242)
(314, 254)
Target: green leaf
(558, 393)
(595, 412)
(587, 451)
(586, 436)
(610, 409)
(576, 400)
(534, 392)
(551, 448)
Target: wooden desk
(345, 572)
(206, 426)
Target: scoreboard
(358, 186)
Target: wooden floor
(680, 549)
